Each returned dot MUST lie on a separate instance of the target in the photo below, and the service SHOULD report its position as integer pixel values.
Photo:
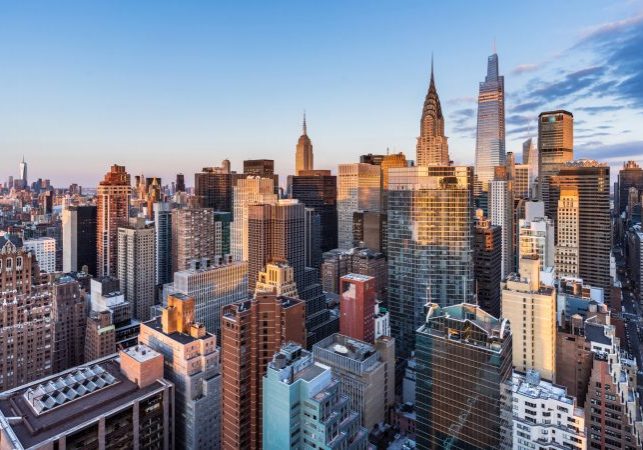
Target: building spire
(305, 128)
(431, 67)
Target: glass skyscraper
(490, 136)
(463, 390)
(430, 244)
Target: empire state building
(432, 146)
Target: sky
(166, 87)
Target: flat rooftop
(33, 428)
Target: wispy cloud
(525, 68)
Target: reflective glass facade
(430, 238)
(490, 135)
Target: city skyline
(140, 100)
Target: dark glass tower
(463, 391)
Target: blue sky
(164, 87)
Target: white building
(44, 249)
(536, 237)
(382, 321)
(544, 416)
(358, 189)
(568, 228)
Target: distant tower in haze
(432, 146)
(304, 154)
(23, 172)
(490, 135)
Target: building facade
(79, 238)
(193, 236)
(358, 189)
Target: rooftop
(141, 353)
(181, 338)
(532, 386)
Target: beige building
(568, 232)
(248, 191)
(304, 151)
(192, 364)
(278, 278)
(358, 189)
(136, 264)
(531, 310)
(193, 235)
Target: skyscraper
(180, 182)
(567, 250)
(430, 244)
(163, 242)
(358, 189)
(112, 211)
(22, 167)
(248, 191)
(304, 151)
(356, 305)
(251, 333)
(487, 261)
(631, 175)
(432, 147)
(530, 307)
(490, 135)
(536, 237)
(501, 213)
(79, 238)
(213, 187)
(68, 312)
(193, 367)
(592, 182)
(531, 159)
(44, 249)
(299, 395)
(555, 147)
(136, 263)
(318, 190)
(463, 393)
(193, 236)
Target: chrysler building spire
(432, 146)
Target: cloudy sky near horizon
(166, 87)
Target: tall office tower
(490, 135)
(279, 279)
(22, 171)
(318, 190)
(356, 305)
(112, 211)
(312, 238)
(536, 237)
(79, 238)
(222, 221)
(121, 401)
(251, 332)
(68, 312)
(44, 249)
(487, 261)
(530, 158)
(304, 151)
(136, 266)
(366, 373)
(432, 146)
(592, 182)
(363, 261)
(358, 189)
(555, 147)
(213, 187)
(248, 191)
(634, 255)
(163, 242)
(530, 307)
(193, 367)
(193, 235)
(370, 230)
(180, 182)
(430, 216)
(276, 232)
(391, 161)
(26, 337)
(100, 335)
(300, 395)
(465, 345)
(631, 175)
(212, 284)
(20, 266)
(501, 212)
(567, 250)
(264, 168)
(536, 401)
